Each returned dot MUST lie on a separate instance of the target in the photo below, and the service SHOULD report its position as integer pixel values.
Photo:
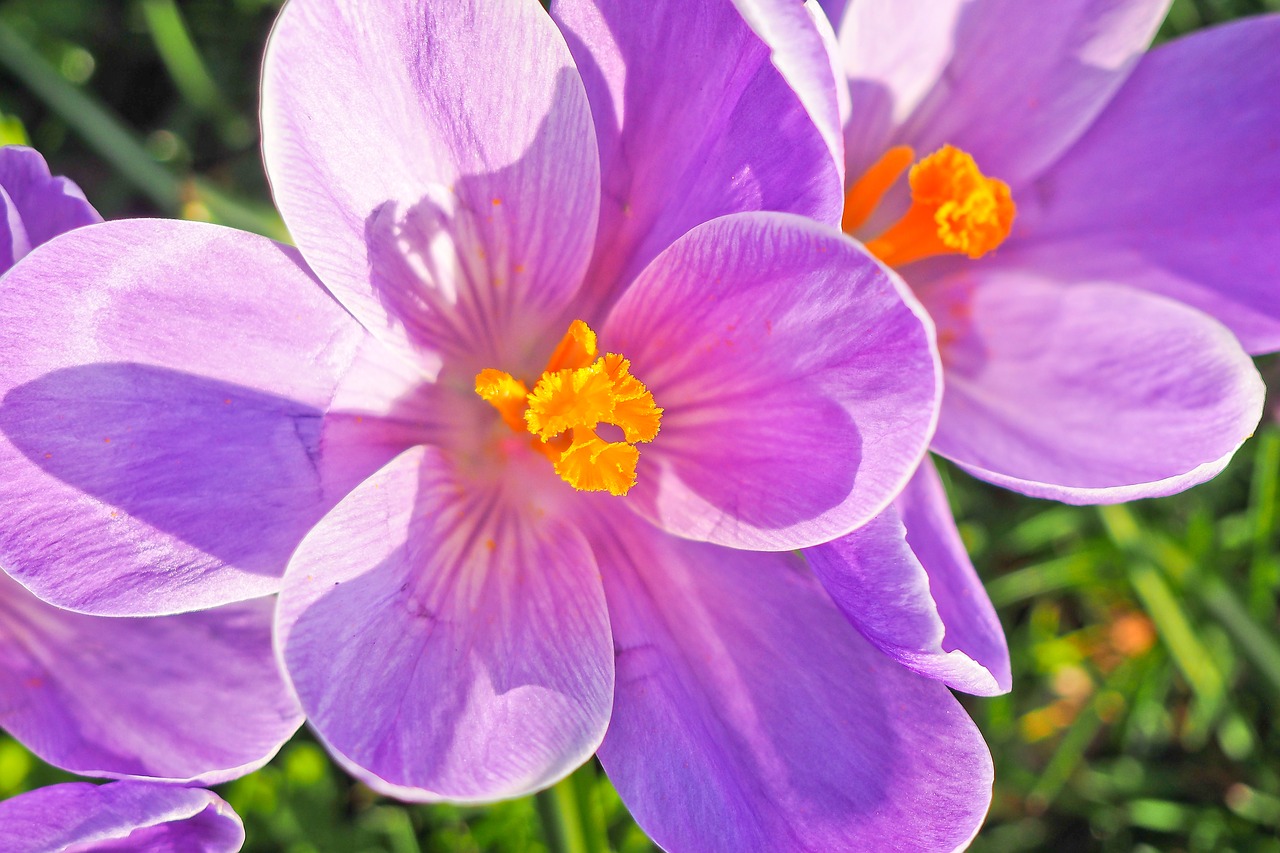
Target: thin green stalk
(180, 57)
(100, 128)
(571, 818)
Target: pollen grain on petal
(955, 209)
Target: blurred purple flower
(188, 697)
(459, 622)
(1082, 358)
(119, 816)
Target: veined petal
(987, 77)
(1087, 393)
(680, 92)
(194, 697)
(1173, 189)
(906, 583)
(435, 162)
(447, 640)
(43, 205)
(749, 715)
(119, 816)
(162, 426)
(797, 378)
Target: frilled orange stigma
(577, 392)
(955, 209)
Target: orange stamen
(576, 393)
(863, 198)
(955, 209)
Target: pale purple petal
(448, 640)
(434, 160)
(681, 94)
(996, 78)
(906, 583)
(192, 697)
(161, 430)
(78, 817)
(1087, 393)
(798, 381)
(751, 716)
(36, 205)
(1173, 189)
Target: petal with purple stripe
(449, 640)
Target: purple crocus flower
(119, 816)
(185, 697)
(1082, 220)
(1131, 201)
(521, 541)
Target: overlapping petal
(35, 206)
(161, 427)
(119, 816)
(191, 697)
(906, 583)
(797, 377)
(680, 93)
(436, 165)
(448, 639)
(1087, 393)
(1173, 189)
(750, 716)
(989, 76)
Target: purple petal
(192, 697)
(750, 716)
(988, 77)
(443, 202)
(161, 430)
(906, 583)
(119, 816)
(1173, 189)
(37, 206)
(680, 93)
(446, 639)
(1089, 393)
(799, 383)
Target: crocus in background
(189, 697)
(1080, 219)
(557, 380)
(119, 816)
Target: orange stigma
(955, 209)
(579, 390)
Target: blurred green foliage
(1144, 637)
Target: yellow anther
(955, 209)
(505, 393)
(577, 392)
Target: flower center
(955, 209)
(579, 390)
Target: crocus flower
(564, 380)
(1080, 220)
(194, 696)
(119, 816)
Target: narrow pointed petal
(798, 381)
(37, 205)
(906, 583)
(163, 387)
(446, 641)
(435, 162)
(119, 816)
(1173, 189)
(191, 698)
(988, 77)
(750, 714)
(679, 93)
(1088, 393)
